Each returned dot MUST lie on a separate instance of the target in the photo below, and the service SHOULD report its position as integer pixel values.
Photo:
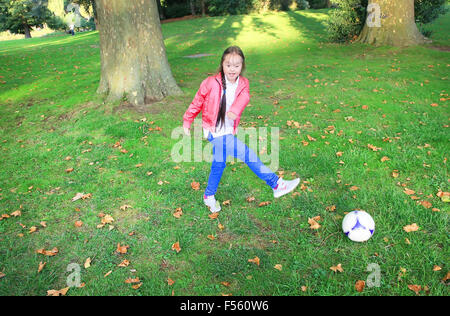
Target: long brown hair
(223, 102)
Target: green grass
(49, 110)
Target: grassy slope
(49, 110)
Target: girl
(222, 99)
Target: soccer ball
(358, 226)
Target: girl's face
(232, 66)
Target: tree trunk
(132, 51)
(191, 2)
(27, 31)
(392, 24)
(203, 8)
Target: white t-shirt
(228, 126)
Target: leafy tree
(20, 16)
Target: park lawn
(339, 108)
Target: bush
(230, 7)
(346, 21)
(428, 10)
(302, 4)
(318, 4)
(177, 9)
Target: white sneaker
(210, 201)
(284, 187)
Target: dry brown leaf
(337, 268)
(49, 253)
(41, 266)
(57, 293)
(279, 267)
(87, 263)
(130, 280)
(254, 260)
(136, 286)
(16, 213)
(78, 223)
(411, 228)
(124, 263)
(125, 207)
(122, 249)
(415, 288)
(426, 204)
(359, 285)
(176, 247)
(178, 212)
(170, 281)
(264, 203)
(195, 185)
(437, 268)
(211, 237)
(313, 224)
(213, 215)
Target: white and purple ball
(358, 226)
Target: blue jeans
(230, 145)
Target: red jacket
(207, 100)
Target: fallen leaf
(195, 186)
(313, 224)
(125, 207)
(136, 286)
(41, 266)
(178, 212)
(57, 293)
(415, 288)
(176, 247)
(437, 268)
(87, 263)
(279, 267)
(122, 249)
(254, 260)
(213, 215)
(359, 285)
(16, 213)
(411, 228)
(130, 280)
(337, 268)
(124, 263)
(170, 281)
(264, 203)
(108, 273)
(49, 253)
(78, 223)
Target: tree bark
(192, 4)
(132, 51)
(393, 24)
(203, 8)
(27, 30)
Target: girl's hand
(186, 131)
(231, 115)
